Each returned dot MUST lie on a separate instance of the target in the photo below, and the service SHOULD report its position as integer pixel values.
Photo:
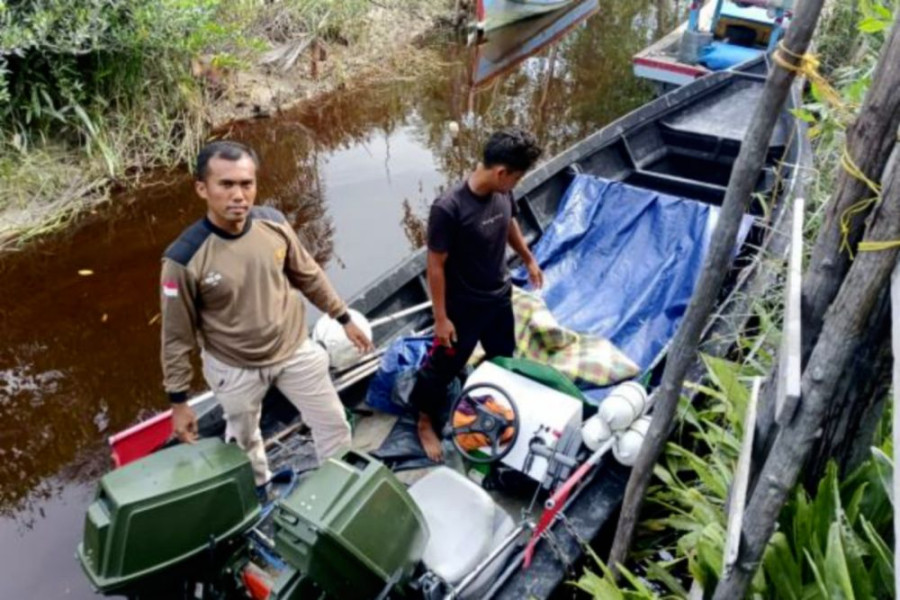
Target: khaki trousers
(303, 379)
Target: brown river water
(355, 170)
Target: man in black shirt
(468, 229)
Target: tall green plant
(835, 544)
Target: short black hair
(513, 148)
(222, 149)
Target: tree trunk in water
(869, 143)
(684, 346)
(845, 325)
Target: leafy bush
(65, 65)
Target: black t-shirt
(473, 231)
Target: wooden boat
(746, 25)
(493, 14)
(683, 145)
(503, 49)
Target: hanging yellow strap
(859, 207)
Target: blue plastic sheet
(622, 262)
(719, 56)
(402, 356)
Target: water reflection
(354, 171)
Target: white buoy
(624, 405)
(629, 442)
(594, 432)
(342, 354)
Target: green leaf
(819, 581)
(657, 573)
(807, 116)
(884, 465)
(782, 569)
(883, 568)
(852, 510)
(872, 25)
(837, 573)
(882, 11)
(855, 552)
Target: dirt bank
(48, 190)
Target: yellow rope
(859, 207)
(808, 66)
(872, 246)
(852, 168)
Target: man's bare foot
(429, 439)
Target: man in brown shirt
(229, 283)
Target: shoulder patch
(268, 213)
(185, 247)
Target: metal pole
(506, 543)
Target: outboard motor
(164, 512)
(351, 528)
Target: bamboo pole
(845, 322)
(684, 347)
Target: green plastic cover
(163, 509)
(351, 527)
(544, 374)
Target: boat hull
(493, 14)
(507, 47)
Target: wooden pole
(845, 323)
(684, 347)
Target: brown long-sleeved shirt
(236, 294)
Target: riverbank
(50, 177)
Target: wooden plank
(895, 346)
(789, 369)
(741, 480)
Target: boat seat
(465, 525)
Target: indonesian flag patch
(170, 289)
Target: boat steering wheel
(484, 424)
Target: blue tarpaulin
(721, 55)
(404, 354)
(622, 262)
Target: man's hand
(535, 275)
(445, 332)
(359, 339)
(184, 422)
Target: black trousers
(490, 323)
